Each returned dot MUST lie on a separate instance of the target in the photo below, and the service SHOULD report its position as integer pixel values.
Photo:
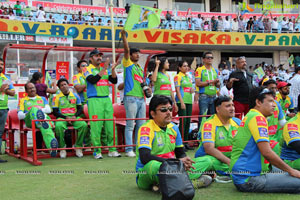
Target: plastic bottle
(15, 147)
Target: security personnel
(6, 89)
(217, 134)
(158, 140)
(207, 82)
(79, 81)
(285, 100)
(99, 103)
(67, 105)
(34, 107)
(290, 151)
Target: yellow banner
(102, 33)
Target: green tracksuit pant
(186, 121)
(101, 108)
(147, 176)
(61, 126)
(47, 134)
(295, 164)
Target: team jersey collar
(36, 97)
(156, 128)
(181, 74)
(218, 122)
(62, 94)
(254, 110)
(2, 75)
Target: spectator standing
(207, 82)
(169, 17)
(226, 24)
(295, 86)
(235, 25)
(241, 81)
(27, 11)
(11, 15)
(189, 23)
(50, 19)
(134, 102)
(198, 22)
(250, 24)
(80, 19)
(73, 20)
(92, 19)
(100, 23)
(6, 89)
(127, 8)
(18, 8)
(79, 81)
(65, 20)
(291, 26)
(284, 25)
(220, 24)
(241, 24)
(214, 24)
(274, 25)
(40, 15)
(206, 26)
(120, 23)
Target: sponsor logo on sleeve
(144, 140)
(294, 134)
(145, 131)
(276, 114)
(207, 127)
(207, 135)
(172, 138)
(261, 121)
(292, 127)
(263, 132)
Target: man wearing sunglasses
(252, 157)
(207, 82)
(158, 140)
(217, 134)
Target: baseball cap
(95, 52)
(282, 84)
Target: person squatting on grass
(159, 139)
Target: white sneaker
(63, 153)
(130, 154)
(98, 156)
(114, 154)
(78, 153)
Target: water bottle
(15, 147)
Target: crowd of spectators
(256, 23)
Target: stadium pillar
(283, 56)
(226, 6)
(217, 58)
(207, 5)
(276, 58)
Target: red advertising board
(62, 70)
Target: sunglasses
(165, 109)
(84, 65)
(210, 57)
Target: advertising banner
(62, 70)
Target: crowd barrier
(30, 154)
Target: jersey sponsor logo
(275, 114)
(62, 102)
(165, 87)
(207, 135)
(138, 78)
(221, 136)
(74, 78)
(187, 89)
(172, 138)
(145, 131)
(102, 82)
(233, 133)
(294, 134)
(160, 141)
(196, 73)
(207, 127)
(39, 101)
(95, 117)
(242, 124)
(36, 106)
(28, 103)
(72, 101)
(145, 140)
(292, 127)
(261, 121)
(272, 130)
(287, 105)
(263, 132)
(68, 110)
(176, 78)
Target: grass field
(111, 178)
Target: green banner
(260, 72)
(142, 18)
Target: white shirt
(198, 22)
(226, 25)
(284, 24)
(225, 92)
(291, 26)
(274, 24)
(295, 88)
(235, 26)
(120, 77)
(40, 15)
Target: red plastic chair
(14, 124)
(195, 111)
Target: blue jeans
(206, 104)
(135, 108)
(275, 182)
(3, 116)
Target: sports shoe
(155, 188)
(203, 181)
(97, 155)
(53, 145)
(130, 154)
(114, 154)
(41, 115)
(78, 153)
(63, 153)
(223, 179)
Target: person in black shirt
(241, 82)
